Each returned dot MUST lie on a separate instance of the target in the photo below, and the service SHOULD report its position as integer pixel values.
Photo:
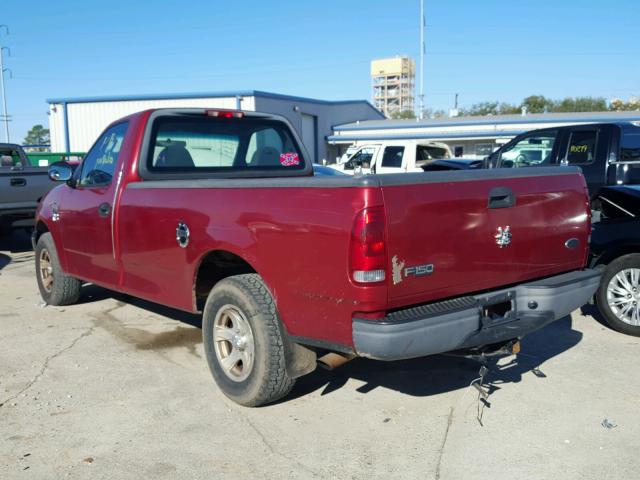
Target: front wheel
(56, 288)
(244, 341)
(618, 297)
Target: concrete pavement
(117, 388)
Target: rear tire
(56, 288)
(616, 292)
(244, 341)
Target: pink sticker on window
(289, 159)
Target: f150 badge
(503, 237)
(400, 272)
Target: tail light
(368, 259)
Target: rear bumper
(463, 322)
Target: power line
(422, 50)
(5, 116)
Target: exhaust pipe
(332, 360)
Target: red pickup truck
(220, 212)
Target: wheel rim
(623, 296)
(46, 270)
(233, 341)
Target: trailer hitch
(487, 356)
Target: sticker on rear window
(289, 159)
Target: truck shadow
(92, 293)
(443, 373)
(17, 241)
(418, 377)
(593, 311)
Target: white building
(75, 123)
(467, 136)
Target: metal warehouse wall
(327, 115)
(87, 120)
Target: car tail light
(225, 113)
(368, 246)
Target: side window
(10, 158)
(100, 162)
(630, 147)
(484, 149)
(392, 157)
(531, 151)
(430, 152)
(582, 147)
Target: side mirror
(61, 172)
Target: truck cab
(395, 156)
(22, 185)
(607, 153)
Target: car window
(431, 152)
(361, 157)
(531, 151)
(99, 164)
(10, 157)
(483, 149)
(582, 147)
(630, 147)
(392, 157)
(188, 143)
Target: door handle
(501, 197)
(104, 209)
(18, 182)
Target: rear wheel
(56, 288)
(618, 297)
(244, 341)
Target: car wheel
(618, 298)
(56, 288)
(244, 341)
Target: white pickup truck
(393, 156)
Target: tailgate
(453, 233)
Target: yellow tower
(393, 84)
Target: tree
(581, 104)
(404, 114)
(38, 135)
(537, 104)
(490, 108)
(431, 113)
(619, 105)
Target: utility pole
(5, 116)
(421, 112)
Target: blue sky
(484, 50)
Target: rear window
(630, 147)
(190, 143)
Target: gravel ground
(116, 387)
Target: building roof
(474, 135)
(569, 117)
(222, 94)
